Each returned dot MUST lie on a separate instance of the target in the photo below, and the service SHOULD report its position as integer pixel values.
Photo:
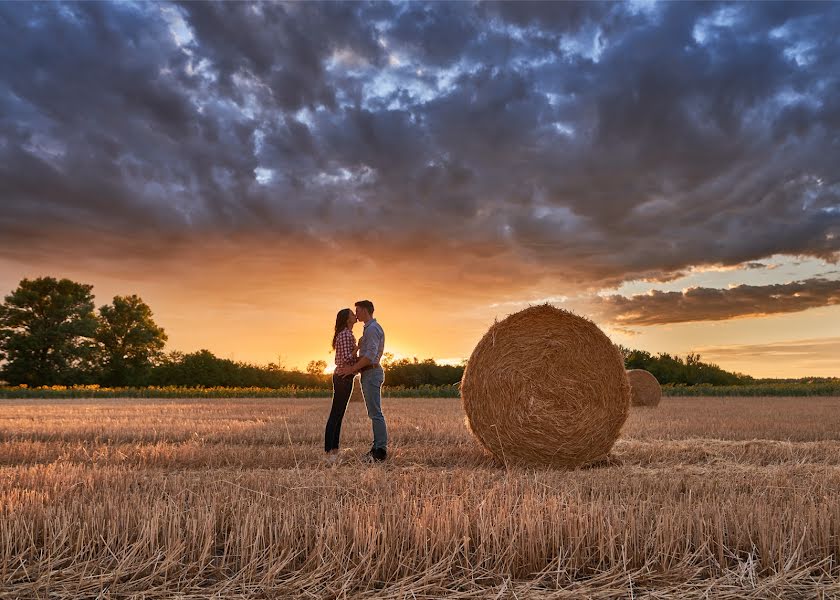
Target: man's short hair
(367, 305)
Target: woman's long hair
(340, 323)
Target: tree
(47, 328)
(130, 342)
(316, 367)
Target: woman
(345, 348)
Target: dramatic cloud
(584, 143)
(711, 304)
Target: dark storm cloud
(712, 304)
(283, 46)
(590, 143)
(436, 34)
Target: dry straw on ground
(546, 387)
(231, 498)
(644, 388)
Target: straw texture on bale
(644, 388)
(356, 395)
(546, 387)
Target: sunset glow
(669, 170)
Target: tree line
(681, 371)
(52, 334)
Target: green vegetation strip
(423, 391)
(831, 388)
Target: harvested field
(704, 497)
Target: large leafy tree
(130, 341)
(47, 328)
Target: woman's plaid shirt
(345, 348)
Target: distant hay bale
(356, 395)
(546, 387)
(644, 388)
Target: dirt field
(708, 497)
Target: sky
(669, 170)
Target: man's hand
(351, 369)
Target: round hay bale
(644, 388)
(356, 395)
(546, 387)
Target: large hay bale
(356, 395)
(644, 388)
(546, 387)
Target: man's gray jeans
(372, 380)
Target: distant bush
(203, 369)
(675, 370)
(413, 373)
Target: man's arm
(359, 364)
(367, 352)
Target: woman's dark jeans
(342, 388)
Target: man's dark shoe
(376, 455)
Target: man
(371, 347)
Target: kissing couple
(350, 359)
